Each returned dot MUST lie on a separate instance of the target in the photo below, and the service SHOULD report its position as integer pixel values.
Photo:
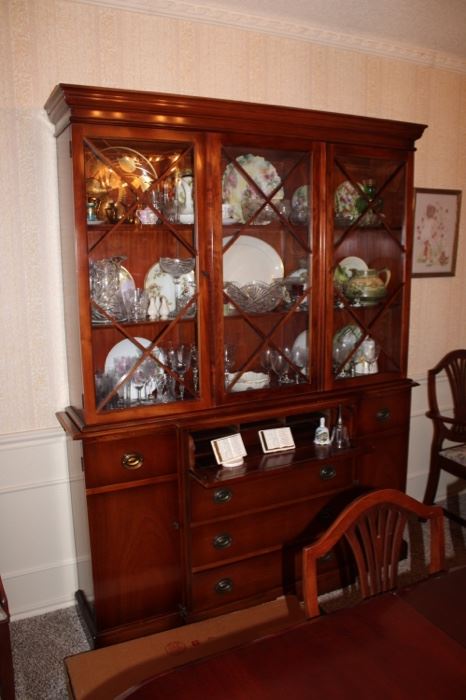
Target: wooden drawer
(232, 497)
(272, 573)
(384, 411)
(226, 584)
(129, 458)
(236, 537)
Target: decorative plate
(123, 355)
(346, 197)
(109, 183)
(300, 197)
(250, 259)
(164, 285)
(236, 189)
(126, 281)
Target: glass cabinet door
(369, 264)
(142, 263)
(267, 269)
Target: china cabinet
(228, 268)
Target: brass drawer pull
(383, 415)
(132, 460)
(222, 496)
(222, 541)
(327, 473)
(225, 585)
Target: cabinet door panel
(384, 464)
(135, 553)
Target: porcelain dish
(236, 189)
(251, 259)
(248, 381)
(161, 284)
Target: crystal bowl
(256, 297)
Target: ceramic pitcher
(368, 286)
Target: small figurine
(154, 307)
(164, 308)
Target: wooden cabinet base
(106, 637)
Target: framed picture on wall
(436, 223)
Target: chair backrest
(373, 526)
(454, 365)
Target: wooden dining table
(409, 644)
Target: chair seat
(455, 454)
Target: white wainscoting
(37, 551)
(38, 559)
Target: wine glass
(139, 380)
(180, 361)
(228, 360)
(298, 357)
(281, 365)
(177, 267)
(266, 360)
(195, 367)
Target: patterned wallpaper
(44, 42)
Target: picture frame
(436, 225)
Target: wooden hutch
(228, 268)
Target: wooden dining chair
(452, 458)
(373, 527)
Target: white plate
(126, 349)
(166, 285)
(236, 188)
(353, 263)
(249, 260)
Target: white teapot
(184, 197)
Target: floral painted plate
(346, 197)
(236, 190)
(300, 197)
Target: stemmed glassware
(140, 379)
(176, 267)
(281, 365)
(298, 357)
(228, 360)
(266, 360)
(179, 358)
(195, 367)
